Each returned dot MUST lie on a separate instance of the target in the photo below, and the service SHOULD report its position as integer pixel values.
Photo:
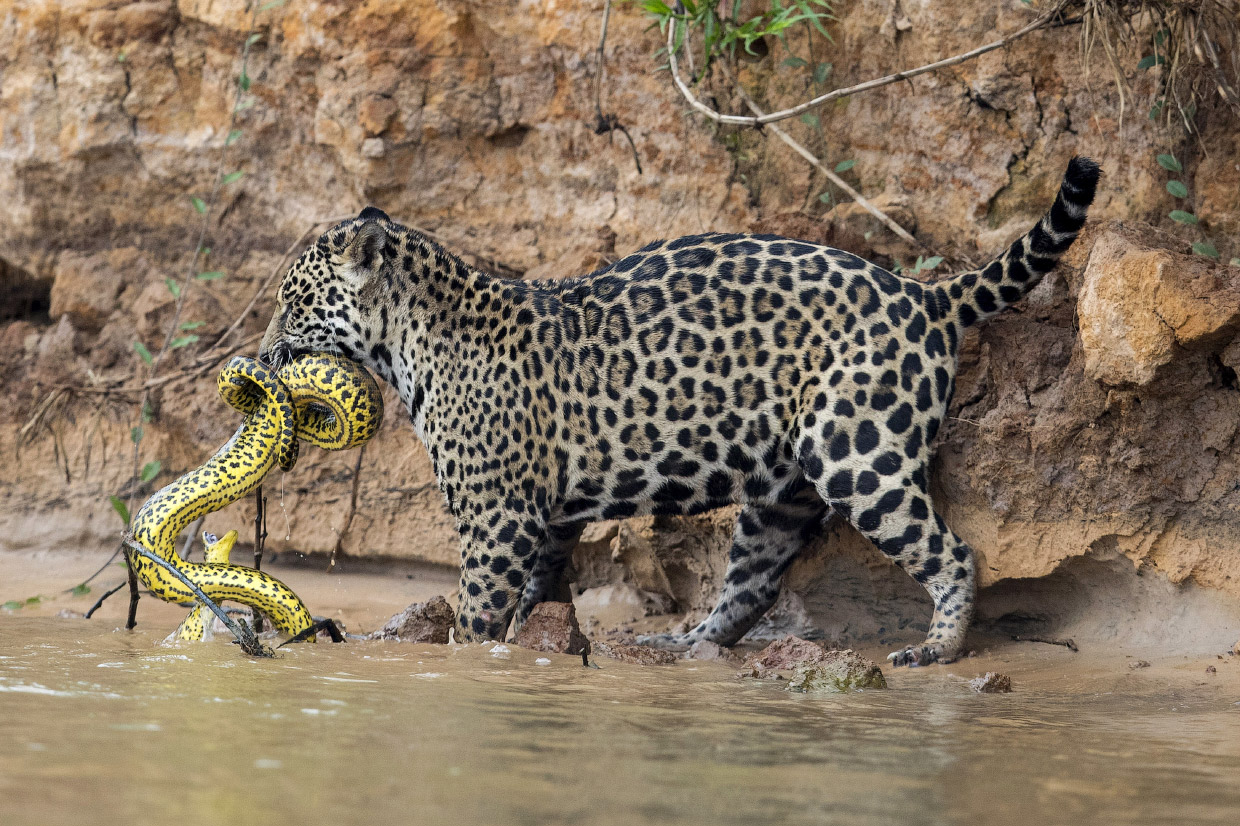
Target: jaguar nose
(278, 356)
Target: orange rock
(552, 626)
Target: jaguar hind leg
(547, 582)
(764, 542)
(885, 496)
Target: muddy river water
(103, 726)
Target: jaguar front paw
(924, 654)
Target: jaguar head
(327, 298)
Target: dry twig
(348, 520)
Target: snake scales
(325, 400)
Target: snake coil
(325, 400)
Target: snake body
(326, 400)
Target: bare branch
(825, 170)
(784, 114)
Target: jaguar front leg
(498, 554)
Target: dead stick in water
(260, 526)
(1066, 643)
(249, 642)
(132, 621)
(99, 602)
(260, 541)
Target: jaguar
(793, 379)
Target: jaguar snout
(277, 356)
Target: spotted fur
(795, 379)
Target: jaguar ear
(371, 213)
(365, 251)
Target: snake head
(218, 550)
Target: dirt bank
(1093, 432)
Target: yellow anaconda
(325, 400)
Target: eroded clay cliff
(1096, 421)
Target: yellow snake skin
(326, 400)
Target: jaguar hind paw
(668, 642)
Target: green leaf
(1207, 249)
(821, 72)
(809, 119)
(173, 287)
(147, 413)
(121, 55)
(182, 341)
(1235, 262)
(1169, 163)
(136, 433)
(930, 263)
(795, 62)
(825, 197)
(1177, 189)
(242, 105)
(81, 589)
(210, 275)
(244, 81)
(12, 605)
(33, 600)
(150, 470)
(199, 205)
(232, 176)
(1182, 217)
(254, 38)
(844, 166)
(1150, 61)
(192, 325)
(273, 4)
(233, 137)
(142, 352)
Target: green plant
(919, 266)
(723, 30)
(1179, 190)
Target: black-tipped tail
(979, 294)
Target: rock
(991, 683)
(69, 613)
(1235, 649)
(428, 621)
(837, 672)
(552, 626)
(1139, 664)
(610, 606)
(784, 655)
(55, 358)
(1211, 669)
(1139, 304)
(86, 286)
(636, 654)
(707, 650)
